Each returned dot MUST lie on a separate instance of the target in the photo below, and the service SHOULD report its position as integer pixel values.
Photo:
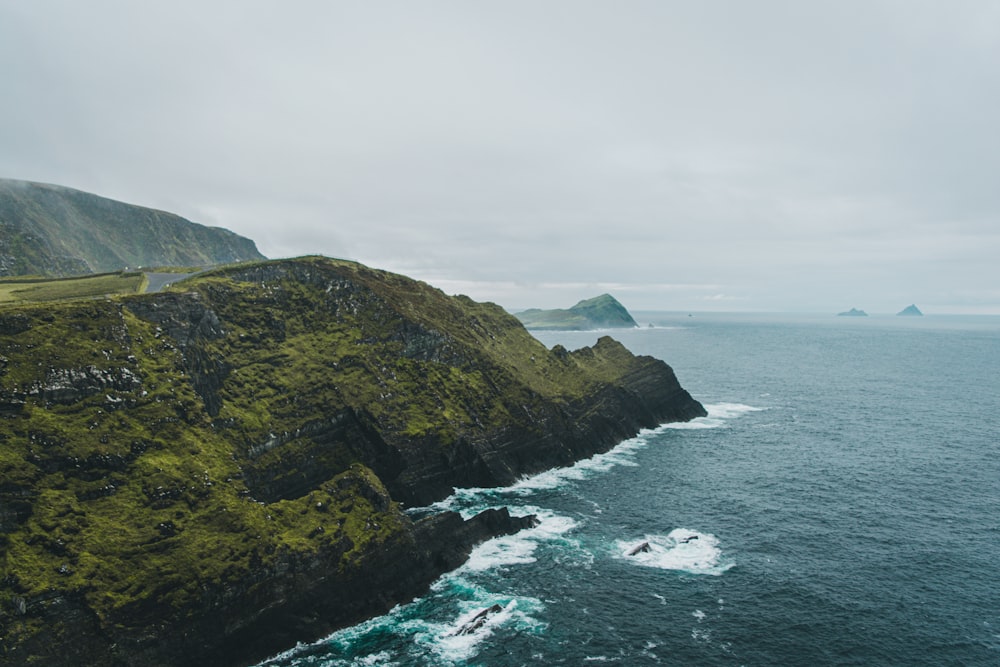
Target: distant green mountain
(51, 230)
(601, 312)
(910, 310)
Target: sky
(780, 156)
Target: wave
(456, 640)
(469, 501)
(444, 627)
(520, 547)
(432, 626)
(682, 549)
(718, 415)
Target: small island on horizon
(600, 312)
(910, 311)
(853, 312)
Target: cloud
(793, 155)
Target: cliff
(210, 474)
(51, 230)
(600, 312)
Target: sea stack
(910, 311)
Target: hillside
(600, 312)
(210, 474)
(49, 230)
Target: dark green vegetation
(601, 312)
(48, 230)
(209, 474)
(853, 312)
(910, 310)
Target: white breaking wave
(519, 547)
(682, 549)
(457, 641)
(469, 501)
(718, 415)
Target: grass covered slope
(51, 230)
(192, 471)
(600, 312)
(78, 287)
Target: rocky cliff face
(211, 474)
(56, 231)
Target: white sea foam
(449, 644)
(305, 654)
(456, 640)
(622, 455)
(381, 659)
(718, 415)
(469, 501)
(701, 635)
(682, 549)
(501, 551)
(520, 547)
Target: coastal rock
(214, 473)
(476, 623)
(639, 549)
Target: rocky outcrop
(213, 473)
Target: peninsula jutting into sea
(228, 461)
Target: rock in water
(478, 621)
(640, 549)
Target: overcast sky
(727, 155)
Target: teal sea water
(840, 505)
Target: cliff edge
(210, 474)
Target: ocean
(840, 505)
